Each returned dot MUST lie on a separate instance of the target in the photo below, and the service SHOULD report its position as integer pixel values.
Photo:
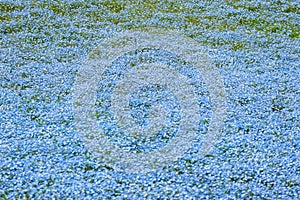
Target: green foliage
(132, 14)
(9, 7)
(114, 6)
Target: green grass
(131, 13)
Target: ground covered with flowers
(255, 45)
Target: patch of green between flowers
(127, 14)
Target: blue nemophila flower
(255, 47)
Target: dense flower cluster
(255, 46)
